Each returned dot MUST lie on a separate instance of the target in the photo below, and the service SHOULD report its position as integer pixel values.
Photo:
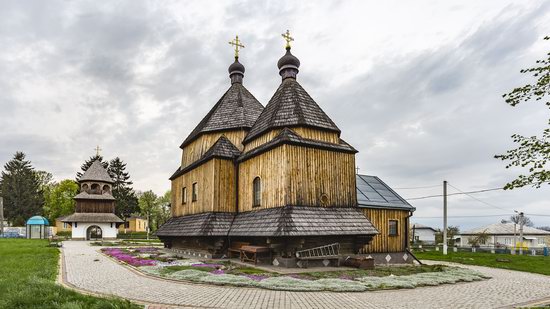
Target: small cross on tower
(357, 170)
(287, 38)
(238, 44)
(97, 150)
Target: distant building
(502, 234)
(423, 233)
(61, 226)
(133, 224)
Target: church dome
(288, 65)
(236, 71)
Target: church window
(106, 189)
(194, 193)
(95, 188)
(257, 188)
(85, 188)
(393, 228)
(184, 195)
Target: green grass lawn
(28, 269)
(532, 264)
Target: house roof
(86, 196)
(372, 192)
(505, 229)
(222, 149)
(291, 106)
(302, 221)
(93, 217)
(422, 227)
(205, 224)
(236, 109)
(96, 172)
(288, 136)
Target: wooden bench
(250, 253)
(236, 248)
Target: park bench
(236, 248)
(55, 241)
(327, 252)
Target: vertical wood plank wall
(271, 168)
(295, 175)
(203, 176)
(197, 148)
(224, 186)
(380, 219)
(319, 135)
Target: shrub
(189, 274)
(229, 279)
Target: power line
(465, 216)
(423, 187)
(538, 215)
(461, 193)
(475, 198)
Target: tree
(126, 199)
(163, 213)
(45, 179)
(59, 199)
(148, 205)
(479, 239)
(532, 152)
(517, 220)
(452, 231)
(20, 188)
(86, 165)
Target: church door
(93, 232)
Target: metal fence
(544, 251)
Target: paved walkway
(87, 269)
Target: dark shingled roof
(291, 106)
(288, 136)
(205, 224)
(96, 172)
(372, 192)
(222, 149)
(86, 196)
(302, 221)
(237, 108)
(92, 217)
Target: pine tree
(126, 199)
(20, 188)
(86, 165)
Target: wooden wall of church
(314, 173)
(203, 175)
(383, 242)
(95, 206)
(198, 147)
(295, 175)
(315, 134)
(216, 189)
(270, 167)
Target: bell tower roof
(96, 172)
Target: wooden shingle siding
(380, 219)
(198, 147)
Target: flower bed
(156, 262)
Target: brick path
(87, 269)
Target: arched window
(85, 188)
(106, 189)
(257, 192)
(95, 188)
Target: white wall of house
(426, 236)
(533, 241)
(108, 230)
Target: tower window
(184, 195)
(195, 193)
(392, 228)
(257, 192)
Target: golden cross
(287, 38)
(237, 43)
(97, 150)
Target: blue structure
(37, 227)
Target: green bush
(64, 234)
(135, 235)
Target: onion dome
(236, 71)
(288, 65)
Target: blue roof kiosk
(37, 227)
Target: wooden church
(278, 177)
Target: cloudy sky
(415, 86)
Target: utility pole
(521, 233)
(1, 215)
(515, 239)
(444, 217)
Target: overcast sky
(415, 87)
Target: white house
(423, 233)
(502, 235)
